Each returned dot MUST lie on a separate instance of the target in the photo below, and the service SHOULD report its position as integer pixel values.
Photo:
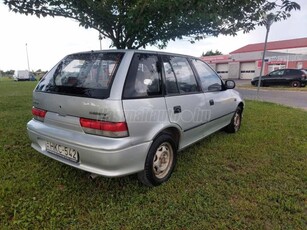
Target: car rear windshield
(85, 75)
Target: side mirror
(230, 84)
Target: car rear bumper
(304, 82)
(109, 157)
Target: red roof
(215, 58)
(276, 45)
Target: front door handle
(177, 109)
(211, 102)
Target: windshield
(85, 74)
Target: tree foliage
(138, 23)
(7, 73)
(212, 53)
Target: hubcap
(163, 160)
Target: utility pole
(27, 57)
(100, 38)
(269, 19)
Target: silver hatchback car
(119, 112)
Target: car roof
(133, 51)
(288, 69)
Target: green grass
(288, 88)
(5, 78)
(255, 179)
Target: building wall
(246, 56)
(275, 59)
(234, 70)
(212, 65)
(302, 50)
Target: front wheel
(295, 84)
(235, 123)
(261, 83)
(160, 161)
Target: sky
(49, 39)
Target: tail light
(104, 128)
(303, 76)
(38, 114)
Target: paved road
(290, 98)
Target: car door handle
(177, 109)
(211, 102)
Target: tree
(39, 73)
(9, 72)
(138, 23)
(212, 53)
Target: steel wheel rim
(163, 160)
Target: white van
(23, 75)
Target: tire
(160, 161)
(235, 123)
(261, 83)
(295, 84)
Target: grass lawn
(249, 86)
(255, 179)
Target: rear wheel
(160, 161)
(235, 123)
(295, 84)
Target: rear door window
(84, 74)
(170, 78)
(179, 76)
(293, 72)
(144, 77)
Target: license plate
(62, 151)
